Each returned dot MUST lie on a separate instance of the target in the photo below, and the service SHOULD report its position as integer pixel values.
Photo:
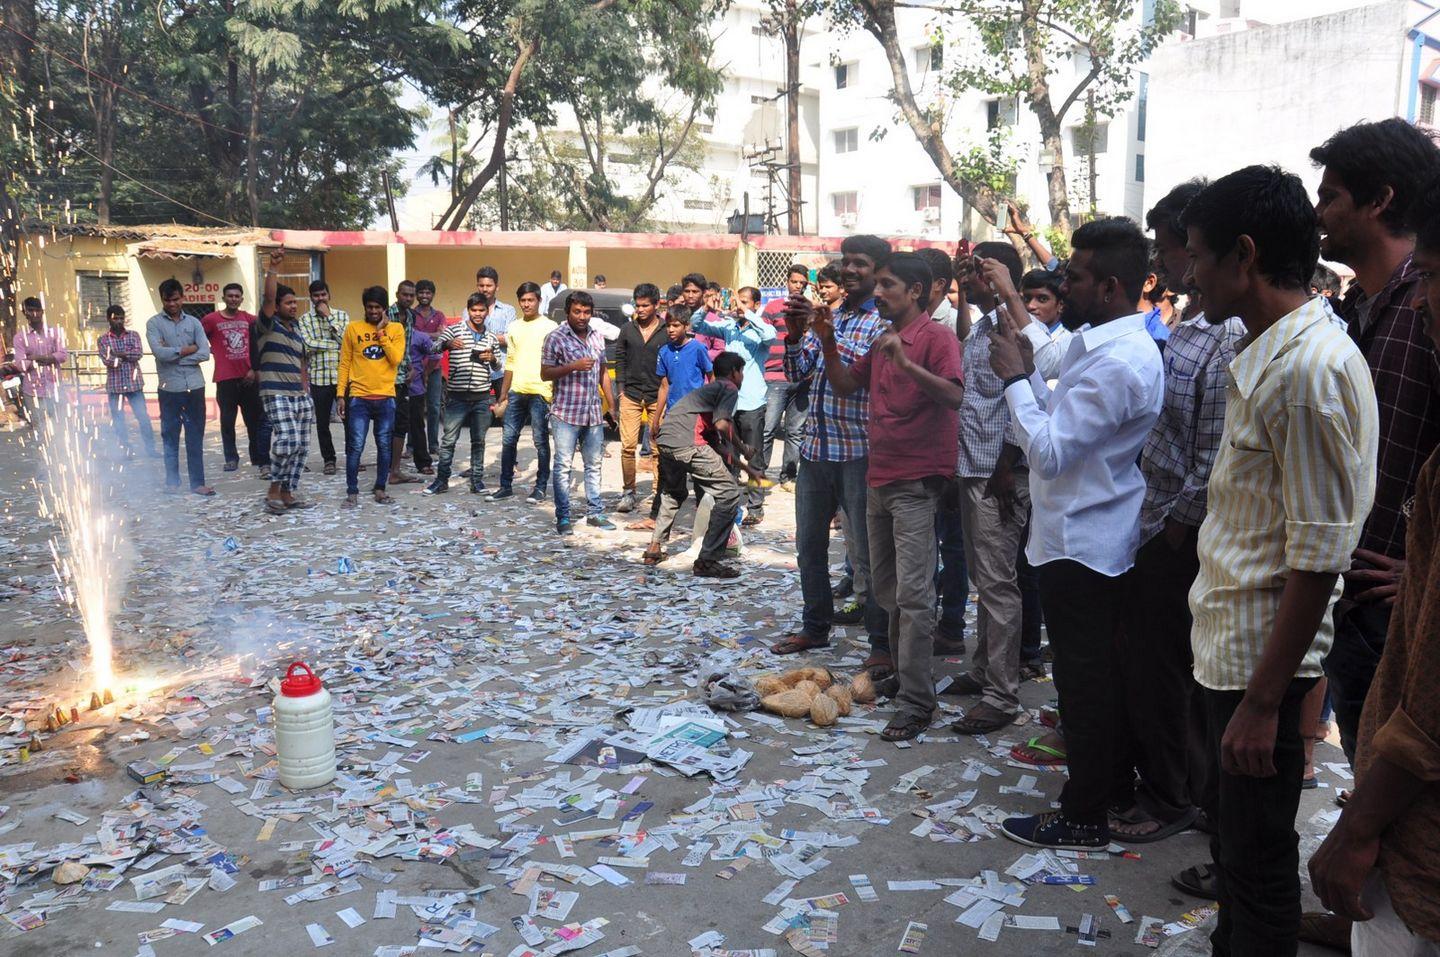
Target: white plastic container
(304, 730)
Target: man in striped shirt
(1288, 495)
(121, 351)
(322, 328)
(280, 364)
(474, 363)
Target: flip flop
(982, 719)
(652, 557)
(1137, 815)
(1197, 881)
(382, 499)
(274, 506)
(794, 644)
(1049, 757)
(903, 728)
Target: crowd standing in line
(1223, 510)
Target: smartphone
(725, 298)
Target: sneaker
(752, 518)
(536, 497)
(1052, 830)
(851, 613)
(329, 468)
(437, 487)
(705, 568)
(627, 503)
(500, 493)
(600, 521)
(565, 528)
(477, 488)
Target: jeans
(434, 398)
(237, 395)
(822, 488)
(901, 531)
(952, 580)
(536, 410)
(787, 406)
(633, 412)
(1255, 848)
(359, 413)
(591, 441)
(750, 427)
(1359, 641)
(183, 410)
(136, 401)
(464, 409)
(1082, 611)
(323, 398)
(712, 478)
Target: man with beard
(1082, 441)
(913, 374)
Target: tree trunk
(880, 23)
(795, 189)
(1038, 94)
(252, 149)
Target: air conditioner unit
(931, 214)
(847, 220)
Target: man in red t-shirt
(916, 387)
(229, 331)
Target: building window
(930, 59)
(1427, 104)
(845, 75)
(845, 204)
(926, 197)
(1085, 140)
(847, 141)
(1142, 106)
(699, 204)
(1000, 113)
(1139, 167)
(98, 292)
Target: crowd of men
(1211, 504)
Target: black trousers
(1032, 617)
(1255, 849)
(235, 395)
(1082, 615)
(1156, 669)
(323, 397)
(410, 421)
(1360, 632)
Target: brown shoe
(1327, 930)
(878, 660)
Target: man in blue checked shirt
(834, 456)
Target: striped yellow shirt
(1291, 487)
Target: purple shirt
(577, 395)
(41, 381)
(429, 323)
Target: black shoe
(564, 528)
(437, 487)
(232, 466)
(965, 684)
(845, 589)
(1053, 830)
(949, 647)
(500, 493)
(851, 613)
(754, 517)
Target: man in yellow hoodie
(370, 353)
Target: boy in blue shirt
(683, 364)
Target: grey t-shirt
(692, 420)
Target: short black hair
(488, 272)
(114, 309)
(1368, 157)
(600, 277)
(1118, 248)
(680, 314)
(1004, 253)
(694, 279)
(1166, 213)
(532, 288)
(168, 288)
(754, 293)
(796, 269)
(911, 268)
(403, 283)
(282, 290)
(555, 274)
(232, 285)
(1042, 279)
(1271, 207)
(1327, 278)
(727, 363)
(424, 284)
(377, 295)
(579, 298)
(712, 286)
(1425, 217)
(646, 290)
(673, 292)
(873, 247)
(319, 285)
(829, 271)
(32, 302)
(941, 268)
(477, 299)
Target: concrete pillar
(252, 276)
(394, 266)
(578, 265)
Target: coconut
(824, 710)
(71, 872)
(862, 689)
(789, 704)
(841, 696)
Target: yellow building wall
(348, 270)
(663, 267)
(49, 269)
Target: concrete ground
(460, 611)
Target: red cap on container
(299, 685)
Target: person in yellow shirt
(370, 353)
(524, 395)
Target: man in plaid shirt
(573, 358)
(120, 349)
(835, 455)
(322, 329)
(1373, 172)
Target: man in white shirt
(549, 291)
(1082, 441)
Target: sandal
(275, 506)
(653, 556)
(1197, 881)
(904, 727)
(301, 503)
(982, 719)
(1036, 752)
(351, 501)
(1121, 821)
(382, 498)
(796, 643)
